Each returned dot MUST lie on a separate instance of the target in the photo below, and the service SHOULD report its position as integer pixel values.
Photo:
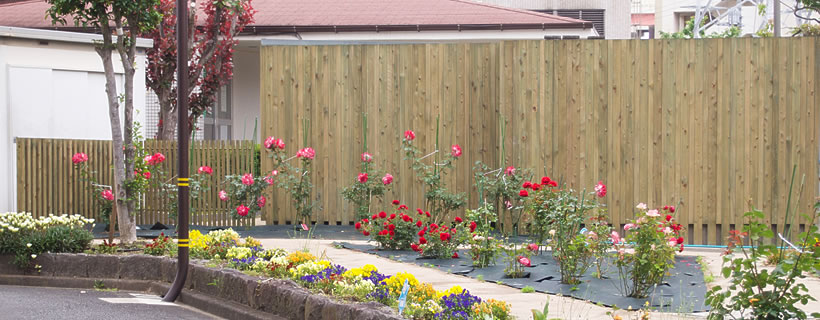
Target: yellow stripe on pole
(183, 245)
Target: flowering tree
(125, 19)
(210, 64)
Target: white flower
(552, 232)
(641, 206)
(653, 213)
(667, 230)
(34, 256)
(28, 245)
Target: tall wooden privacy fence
(47, 181)
(710, 126)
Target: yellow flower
(454, 289)
(396, 282)
(362, 272)
(753, 300)
(300, 257)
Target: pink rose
(269, 142)
(147, 174)
(600, 189)
(532, 247)
(409, 135)
(362, 177)
(456, 150)
(524, 261)
(79, 157)
(629, 226)
(205, 170)
(223, 195)
(305, 227)
(147, 159)
(653, 213)
(247, 179)
(387, 179)
(306, 153)
(242, 210)
(510, 171)
(261, 201)
(615, 237)
(366, 157)
(157, 158)
(107, 195)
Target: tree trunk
(167, 116)
(126, 226)
(127, 48)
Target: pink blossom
(616, 238)
(306, 153)
(147, 174)
(147, 159)
(456, 150)
(305, 227)
(387, 179)
(223, 195)
(79, 157)
(247, 179)
(157, 158)
(409, 135)
(242, 210)
(205, 170)
(653, 213)
(508, 204)
(269, 142)
(510, 171)
(107, 195)
(261, 201)
(592, 235)
(629, 226)
(524, 261)
(600, 189)
(641, 206)
(362, 178)
(532, 247)
(667, 230)
(366, 157)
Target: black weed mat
(275, 231)
(683, 291)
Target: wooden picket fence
(710, 126)
(48, 183)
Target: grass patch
(708, 277)
(528, 289)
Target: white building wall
(246, 93)
(431, 36)
(53, 89)
(617, 20)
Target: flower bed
(362, 284)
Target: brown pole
(182, 151)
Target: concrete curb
(227, 293)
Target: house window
(217, 122)
(681, 18)
(596, 16)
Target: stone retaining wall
(276, 297)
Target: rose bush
(654, 236)
(394, 231)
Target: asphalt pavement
(20, 303)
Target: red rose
(456, 150)
(553, 184)
(681, 248)
(526, 184)
(382, 215)
(680, 240)
(418, 224)
(421, 232)
(402, 207)
(365, 220)
(422, 240)
(444, 236)
(396, 202)
(455, 255)
(672, 209)
(419, 210)
(391, 227)
(668, 217)
(392, 233)
(374, 217)
(535, 187)
(362, 177)
(523, 193)
(415, 247)
(409, 135)
(458, 220)
(358, 225)
(545, 180)
(427, 213)
(433, 226)
(392, 216)
(473, 225)
(365, 233)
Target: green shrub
(59, 239)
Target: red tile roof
(349, 15)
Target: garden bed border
(237, 294)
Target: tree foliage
(210, 62)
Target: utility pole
(182, 152)
(776, 18)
